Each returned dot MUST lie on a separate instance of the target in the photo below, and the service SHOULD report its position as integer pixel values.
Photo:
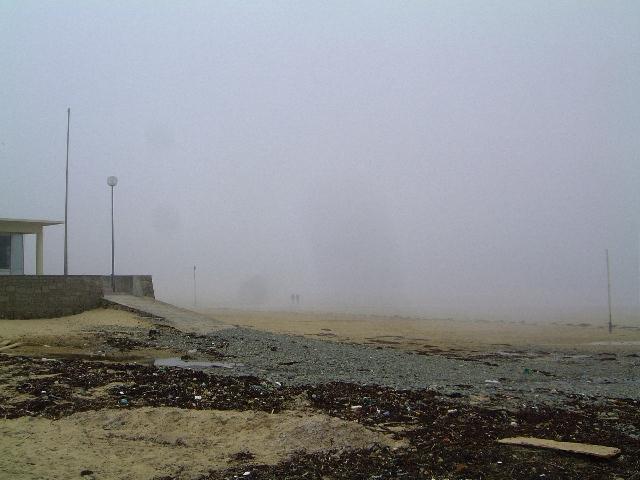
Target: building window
(5, 251)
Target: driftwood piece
(599, 451)
(10, 346)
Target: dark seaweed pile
(67, 385)
(447, 437)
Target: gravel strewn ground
(301, 361)
(296, 360)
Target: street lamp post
(112, 182)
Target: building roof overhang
(22, 225)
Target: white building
(12, 231)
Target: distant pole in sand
(609, 291)
(194, 285)
(66, 195)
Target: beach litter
(598, 451)
(10, 346)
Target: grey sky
(435, 156)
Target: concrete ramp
(181, 318)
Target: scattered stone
(242, 456)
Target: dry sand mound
(64, 326)
(146, 442)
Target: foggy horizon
(445, 158)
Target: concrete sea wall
(45, 296)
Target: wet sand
(76, 334)
(446, 334)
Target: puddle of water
(194, 365)
(96, 357)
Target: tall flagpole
(66, 196)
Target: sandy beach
(311, 395)
(412, 333)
